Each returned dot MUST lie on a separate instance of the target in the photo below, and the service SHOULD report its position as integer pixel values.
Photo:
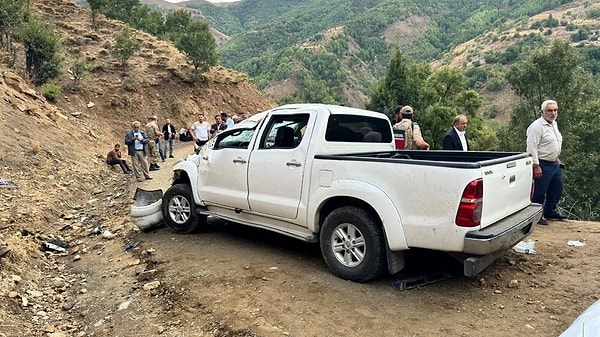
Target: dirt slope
(226, 280)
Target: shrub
(51, 92)
(42, 60)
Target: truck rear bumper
(505, 233)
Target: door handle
(293, 163)
(239, 161)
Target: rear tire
(353, 244)
(179, 209)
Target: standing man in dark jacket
(168, 131)
(137, 148)
(455, 138)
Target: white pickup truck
(331, 174)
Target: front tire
(353, 244)
(179, 209)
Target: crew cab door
(278, 163)
(223, 168)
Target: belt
(143, 150)
(548, 161)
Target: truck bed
(457, 159)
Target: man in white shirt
(455, 138)
(200, 130)
(544, 143)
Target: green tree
(96, 7)
(79, 69)
(403, 83)
(198, 44)
(554, 73)
(149, 20)
(42, 45)
(125, 46)
(122, 10)
(446, 97)
(176, 23)
(11, 17)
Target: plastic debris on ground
(525, 247)
(575, 243)
(7, 184)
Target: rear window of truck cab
(358, 129)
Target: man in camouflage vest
(154, 134)
(413, 140)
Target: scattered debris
(130, 246)
(575, 243)
(48, 246)
(8, 184)
(421, 280)
(4, 250)
(525, 247)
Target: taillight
(471, 203)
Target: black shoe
(542, 222)
(154, 168)
(557, 217)
(171, 156)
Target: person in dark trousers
(544, 143)
(455, 138)
(169, 133)
(114, 158)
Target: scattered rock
(124, 305)
(151, 285)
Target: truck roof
(332, 109)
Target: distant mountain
(335, 50)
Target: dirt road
(229, 280)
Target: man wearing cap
(154, 134)
(413, 139)
(455, 138)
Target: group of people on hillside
(544, 143)
(201, 130)
(146, 147)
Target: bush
(51, 92)
(42, 45)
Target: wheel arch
(186, 172)
(376, 203)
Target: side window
(238, 139)
(284, 131)
(357, 129)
